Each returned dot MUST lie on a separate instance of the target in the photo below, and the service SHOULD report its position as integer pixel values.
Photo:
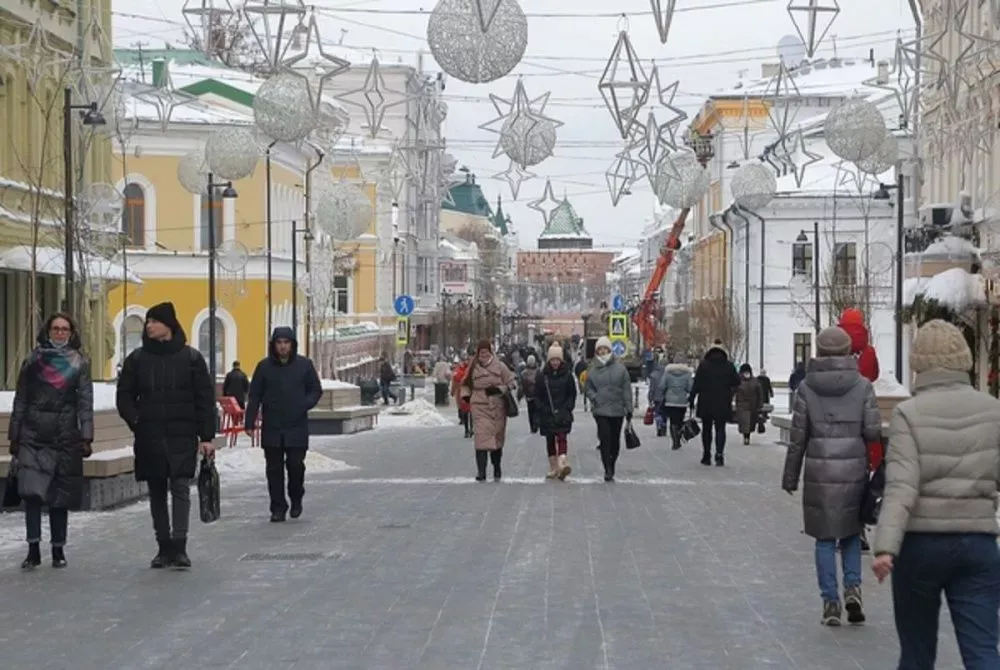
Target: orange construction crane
(645, 317)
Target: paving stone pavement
(406, 562)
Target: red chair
(232, 419)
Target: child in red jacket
(852, 321)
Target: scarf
(58, 366)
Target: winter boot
(481, 458)
(58, 557)
(564, 468)
(277, 517)
(296, 510)
(706, 456)
(852, 603)
(675, 438)
(164, 556)
(746, 440)
(34, 558)
(181, 560)
(497, 472)
(831, 613)
(553, 468)
(720, 460)
(661, 431)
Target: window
(134, 216)
(133, 328)
(453, 272)
(845, 264)
(341, 295)
(216, 218)
(801, 348)
(802, 259)
(220, 343)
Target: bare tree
(328, 262)
(492, 258)
(696, 327)
(229, 41)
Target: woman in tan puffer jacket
(484, 386)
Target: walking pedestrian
(609, 389)
(580, 372)
(283, 389)
(236, 385)
(50, 433)
(167, 398)
(749, 400)
(484, 386)
(834, 417)
(556, 400)
(715, 381)
(654, 396)
(937, 530)
(527, 390)
(386, 376)
(852, 322)
(677, 382)
(464, 410)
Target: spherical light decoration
(232, 152)
(465, 51)
(343, 211)
(754, 186)
(192, 172)
(854, 130)
(681, 180)
(527, 140)
(283, 108)
(882, 160)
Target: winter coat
(942, 463)
(715, 381)
(852, 322)
(555, 399)
(236, 386)
(798, 374)
(529, 383)
(456, 387)
(749, 398)
(51, 420)
(676, 383)
(167, 398)
(386, 374)
(609, 388)
(655, 394)
(283, 392)
(489, 411)
(766, 390)
(834, 417)
(442, 373)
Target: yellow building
(41, 50)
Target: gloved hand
(628, 417)
(13, 448)
(87, 449)
(493, 390)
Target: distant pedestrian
(485, 384)
(834, 417)
(236, 385)
(609, 389)
(749, 400)
(715, 382)
(528, 391)
(580, 372)
(852, 322)
(937, 531)
(677, 382)
(654, 396)
(555, 401)
(464, 410)
(283, 389)
(794, 380)
(167, 398)
(766, 389)
(386, 376)
(50, 433)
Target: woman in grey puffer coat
(676, 384)
(609, 389)
(834, 418)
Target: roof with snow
(564, 224)
(821, 77)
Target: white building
(458, 263)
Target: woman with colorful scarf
(51, 430)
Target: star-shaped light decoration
(391, 177)
(663, 14)
(665, 101)
(522, 125)
(902, 71)
(486, 10)
(974, 63)
(746, 136)
(374, 98)
(624, 85)
(505, 108)
(327, 66)
(98, 79)
(515, 175)
(164, 96)
(547, 204)
(784, 101)
(206, 20)
(273, 24)
(820, 15)
(799, 166)
(423, 123)
(622, 173)
(38, 57)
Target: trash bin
(370, 391)
(441, 394)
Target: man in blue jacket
(284, 387)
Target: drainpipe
(308, 220)
(763, 279)
(735, 209)
(721, 223)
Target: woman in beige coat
(485, 384)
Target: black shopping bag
(631, 439)
(11, 497)
(690, 430)
(209, 492)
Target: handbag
(761, 426)
(510, 404)
(11, 497)
(209, 492)
(649, 417)
(690, 429)
(871, 500)
(631, 439)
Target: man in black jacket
(715, 382)
(236, 385)
(167, 398)
(284, 387)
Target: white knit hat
(941, 345)
(555, 351)
(602, 342)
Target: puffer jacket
(655, 394)
(609, 388)
(834, 417)
(677, 382)
(943, 462)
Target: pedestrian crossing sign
(403, 330)
(618, 326)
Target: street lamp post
(267, 175)
(228, 192)
(306, 237)
(445, 296)
(883, 194)
(90, 116)
(803, 237)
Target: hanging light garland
(474, 43)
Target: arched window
(134, 215)
(216, 219)
(134, 326)
(220, 343)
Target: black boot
(278, 516)
(720, 460)
(34, 558)
(296, 510)
(706, 456)
(58, 557)
(164, 556)
(675, 438)
(181, 560)
(481, 458)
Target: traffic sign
(404, 305)
(403, 330)
(618, 348)
(618, 303)
(618, 327)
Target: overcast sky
(712, 44)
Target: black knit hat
(165, 314)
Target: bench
(340, 412)
(783, 422)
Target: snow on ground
(104, 398)
(246, 463)
(417, 413)
(330, 384)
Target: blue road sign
(618, 348)
(404, 305)
(618, 303)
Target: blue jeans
(826, 566)
(967, 568)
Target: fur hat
(555, 351)
(603, 341)
(165, 314)
(531, 360)
(833, 341)
(484, 344)
(940, 344)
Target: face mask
(604, 358)
(59, 345)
